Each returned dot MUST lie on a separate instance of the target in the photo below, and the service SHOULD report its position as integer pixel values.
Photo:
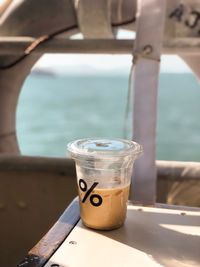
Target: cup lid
(103, 148)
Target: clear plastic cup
(104, 169)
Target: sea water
(56, 109)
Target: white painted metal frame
(94, 18)
(17, 45)
(147, 50)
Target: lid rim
(78, 152)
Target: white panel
(151, 237)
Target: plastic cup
(104, 169)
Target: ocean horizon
(55, 109)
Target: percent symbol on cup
(95, 199)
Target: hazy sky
(118, 63)
(107, 63)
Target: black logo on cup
(95, 199)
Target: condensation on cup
(104, 169)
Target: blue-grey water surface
(54, 110)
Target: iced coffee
(104, 168)
(112, 211)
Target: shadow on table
(170, 239)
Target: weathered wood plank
(44, 249)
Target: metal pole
(16, 45)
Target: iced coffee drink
(104, 168)
(112, 211)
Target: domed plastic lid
(103, 148)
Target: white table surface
(150, 237)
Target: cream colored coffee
(111, 213)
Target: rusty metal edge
(46, 247)
(17, 45)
